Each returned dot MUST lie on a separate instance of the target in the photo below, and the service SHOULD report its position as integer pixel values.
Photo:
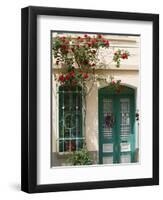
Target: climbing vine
(77, 58)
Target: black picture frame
(29, 99)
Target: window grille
(107, 113)
(125, 117)
(70, 119)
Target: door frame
(126, 92)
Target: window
(70, 119)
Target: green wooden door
(116, 127)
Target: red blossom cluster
(78, 56)
(73, 77)
(116, 85)
(64, 45)
(124, 56)
(77, 51)
(93, 42)
(120, 54)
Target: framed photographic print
(90, 99)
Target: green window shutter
(70, 119)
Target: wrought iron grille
(70, 119)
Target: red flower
(72, 74)
(124, 56)
(93, 64)
(61, 78)
(115, 53)
(63, 47)
(85, 35)
(89, 44)
(107, 43)
(99, 36)
(79, 38)
(93, 41)
(85, 76)
(67, 77)
(113, 82)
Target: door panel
(108, 160)
(125, 130)
(125, 158)
(107, 147)
(116, 127)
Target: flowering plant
(77, 58)
(116, 85)
(120, 54)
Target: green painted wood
(133, 111)
(117, 130)
(100, 111)
(111, 91)
(131, 138)
(111, 94)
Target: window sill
(63, 154)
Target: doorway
(116, 126)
